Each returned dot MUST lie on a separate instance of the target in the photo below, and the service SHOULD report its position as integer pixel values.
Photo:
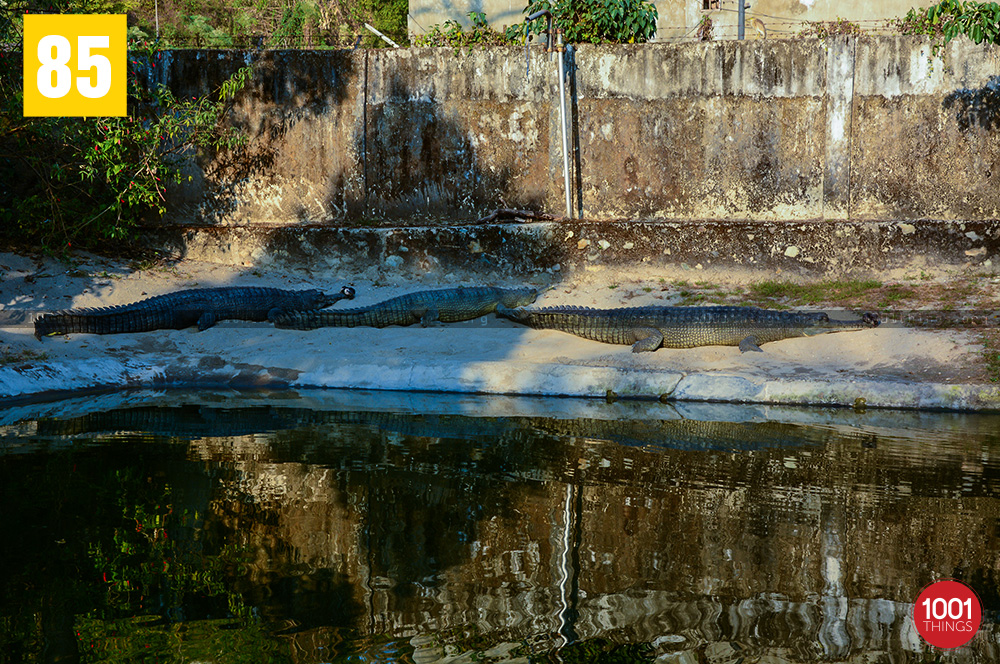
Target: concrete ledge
(500, 378)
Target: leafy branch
(601, 21)
(87, 181)
(979, 21)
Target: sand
(891, 366)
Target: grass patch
(956, 294)
(12, 357)
(896, 293)
(824, 291)
(688, 298)
(991, 355)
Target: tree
(601, 21)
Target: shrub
(86, 182)
(601, 21)
(451, 33)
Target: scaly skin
(203, 307)
(649, 328)
(449, 305)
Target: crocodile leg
(750, 343)
(429, 317)
(647, 339)
(206, 320)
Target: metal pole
(527, 36)
(743, 18)
(562, 119)
(384, 38)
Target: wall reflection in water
(425, 527)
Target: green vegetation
(973, 292)
(991, 355)
(86, 182)
(269, 23)
(200, 32)
(18, 357)
(111, 541)
(823, 291)
(896, 293)
(600, 21)
(480, 34)
(979, 21)
(849, 292)
(129, 640)
(592, 21)
(702, 292)
(704, 32)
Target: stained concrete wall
(859, 129)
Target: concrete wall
(862, 129)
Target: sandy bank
(891, 366)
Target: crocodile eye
(348, 292)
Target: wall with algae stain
(866, 128)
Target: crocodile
(649, 328)
(192, 421)
(203, 307)
(448, 305)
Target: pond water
(348, 526)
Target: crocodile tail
(518, 315)
(104, 320)
(46, 325)
(295, 320)
(311, 320)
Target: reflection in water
(321, 526)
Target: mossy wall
(863, 129)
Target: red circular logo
(948, 613)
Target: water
(351, 526)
